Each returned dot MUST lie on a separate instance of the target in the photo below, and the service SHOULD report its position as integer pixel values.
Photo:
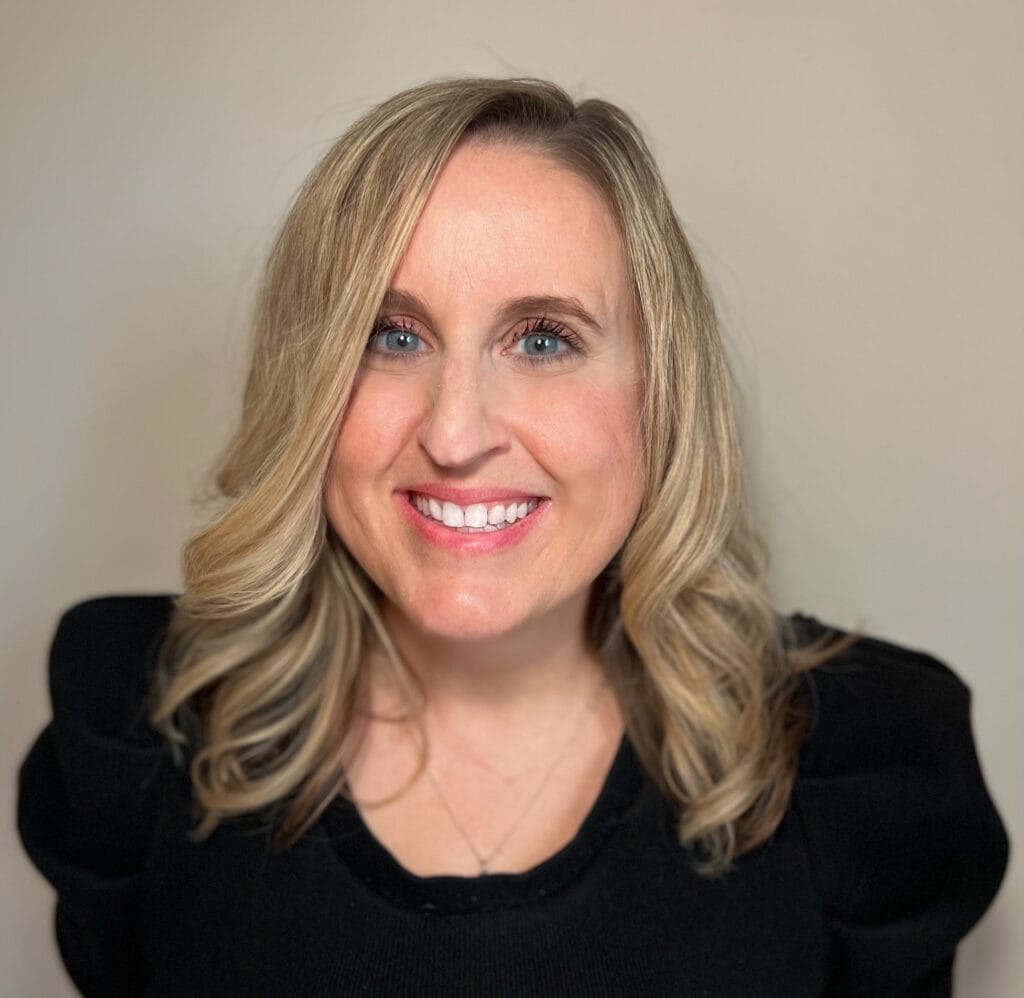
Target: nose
(463, 423)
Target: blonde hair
(259, 671)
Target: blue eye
(541, 346)
(394, 340)
(545, 341)
(401, 340)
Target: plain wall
(851, 178)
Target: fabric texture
(890, 852)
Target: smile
(475, 518)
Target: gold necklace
(484, 860)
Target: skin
(496, 639)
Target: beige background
(851, 176)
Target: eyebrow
(396, 298)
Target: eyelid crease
(397, 300)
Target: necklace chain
(484, 859)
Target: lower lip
(470, 542)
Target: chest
(467, 819)
(500, 806)
(230, 916)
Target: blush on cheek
(589, 424)
(376, 420)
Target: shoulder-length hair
(258, 675)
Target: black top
(889, 853)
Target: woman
(474, 686)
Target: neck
(529, 673)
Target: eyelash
(542, 326)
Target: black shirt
(890, 851)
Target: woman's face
(488, 465)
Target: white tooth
(511, 513)
(496, 515)
(522, 511)
(421, 504)
(434, 507)
(453, 515)
(532, 505)
(476, 515)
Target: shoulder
(93, 783)
(906, 847)
(881, 702)
(95, 766)
(112, 625)
(101, 660)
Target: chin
(466, 626)
(462, 616)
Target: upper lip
(467, 497)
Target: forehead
(503, 221)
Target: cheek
(376, 421)
(373, 430)
(591, 441)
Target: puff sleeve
(906, 847)
(91, 786)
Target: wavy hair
(258, 674)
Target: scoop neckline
(370, 861)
